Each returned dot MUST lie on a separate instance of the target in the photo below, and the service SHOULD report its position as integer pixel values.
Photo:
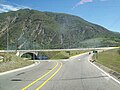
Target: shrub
(119, 51)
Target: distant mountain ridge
(31, 29)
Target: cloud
(82, 2)
(85, 1)
(8, 7)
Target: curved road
(75, 74)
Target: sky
(102, 12)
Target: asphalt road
(75, 74)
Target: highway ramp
(74, 74)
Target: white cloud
(82, 2)
(85, 1)
(2, 10)
(8, 7)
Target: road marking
(107, 78)
(49, 77)
(40, 77)
(79, 55)
(65, 60)
(105, 73)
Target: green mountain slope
(30, 29)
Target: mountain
(31, 29)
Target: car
(41, 58)
(89, 53)
(94, 51)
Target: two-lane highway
(30, 78)
(79, 74)
(75, 74)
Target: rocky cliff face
(30, 29)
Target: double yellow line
(43, 77)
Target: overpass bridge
(36, 52)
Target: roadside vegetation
(53, 55)
(11, 61)
(110, 59)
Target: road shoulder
(19, 69)
(109, 72)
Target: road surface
(75, 74)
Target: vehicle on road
(89, 53)
(94, 51)
(41, 58)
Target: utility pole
(7, 23)
(7, 40)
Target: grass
(60, 55)
(110, 59)
(12, 61)
(76, 52)
(56, 55)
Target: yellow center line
(49, 78)
(40, 77)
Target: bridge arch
(31, 55)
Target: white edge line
(105, 73)
(15, 70)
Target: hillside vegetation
(31, 29)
